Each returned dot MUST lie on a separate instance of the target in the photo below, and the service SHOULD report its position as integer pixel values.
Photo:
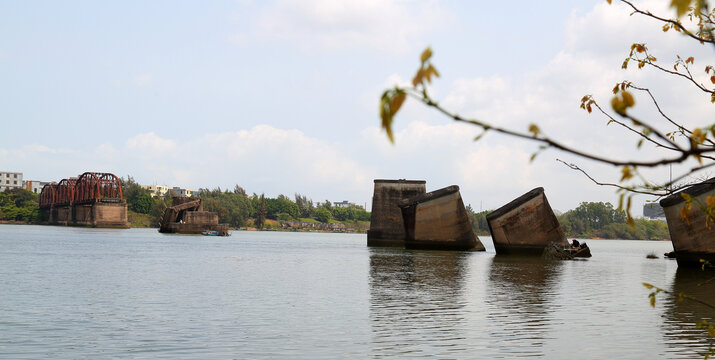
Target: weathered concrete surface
(438, 220)
(96, 214)
(386, 225)
(691, 241)
(526, 225)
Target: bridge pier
(104, 215)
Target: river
(80, 293)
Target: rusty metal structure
(98, 187)
(187, 216)
(91, 199)
(90, 187)
(47, 196)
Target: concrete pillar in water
(386, 224)
(692, 239)
(526, 225)
(438, 220)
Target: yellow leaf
(710, 201)
(426, 55)
(429, 72)
(687, 197)
(628, 99)
(647, 285)
(652, 300)
(698, 158)
(712, 79)
(418, 79)
(396, 102)
(626, 174)
(681, 6)
(698, 136)
(690, 60)
(609, 2)
(390, 103)
(534, 129)
(711, 331)
(640, 48)
(666, 27)
(684, 214)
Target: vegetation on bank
(592, 220)
(19, 205)
(240, 210)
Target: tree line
(238, 209)
(592, 220)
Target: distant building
(10, 180)
(653, 211)
(342, 204)
(157, 190)
(179, 192)
(34, 185)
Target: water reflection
(679, 331)
(520, 300)
(416, 302)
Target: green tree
(323, 215)
(19, 205)
(281, 204)
(305, 205)
(261, 213)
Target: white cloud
(374, 24)
(143, 80)
(149, 144)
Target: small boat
(210, 233)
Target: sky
(281, 97)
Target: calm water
(93, 293)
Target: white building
(34, 185)
(157, 190)
(341, 204)
(179, 192)
(10, 180)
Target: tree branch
(424, 97)
(675, 24)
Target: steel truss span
(89, 187)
